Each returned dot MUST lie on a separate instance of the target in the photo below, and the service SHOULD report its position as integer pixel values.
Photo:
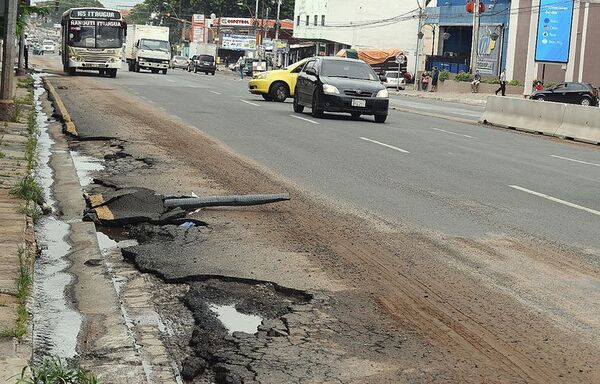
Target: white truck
(147, 47)
(203, 49)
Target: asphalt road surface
(424, 172)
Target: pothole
(235, 321)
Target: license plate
(359, 103)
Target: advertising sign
(488, 53)
(235, 21)
(198, 28)
(554, 31)
(238, 42)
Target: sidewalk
(16, 235)
(455, 97)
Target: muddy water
(85, 166)
(56, 322)
(235, 321)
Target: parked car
(569, 92)
(203, 63)
(180, 62)
(333, 84)
(393, 81)
(276, 85)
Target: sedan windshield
(348, 69)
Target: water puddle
(85, 166)
(236, 321)
(56, 323)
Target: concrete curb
(69, 126)
(447, 99)
(436, 115)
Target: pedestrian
(502, 83)
(242, 64)
(424, 81)
(434, 79)
(475, 82)
(26, 52)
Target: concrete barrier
(581, 123)
(523, 114)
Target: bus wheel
(164, 71)
(71, 71)
(102, 72)
(112, 72)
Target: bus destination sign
(96, 14)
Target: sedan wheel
(586, 101)
(316, 112)
(297, 107)
(279, 92)
(541, 98)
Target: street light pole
(475, 38)
(419, 37)
(277, 22)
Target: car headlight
(383, 93)
(261, 76)
(330, 89)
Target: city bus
(92, 39)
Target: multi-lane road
(422, 171)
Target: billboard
(554, 31)
(238, 42)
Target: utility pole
(8, 56)
(277, 22)
(256, 19)
(419, 37)
(475, 37)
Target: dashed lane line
(452, 133)
(305, 119)
(249, 102)
(171, 80)
(574, 160)
(384, 144)
(556, 200)
(215, 92)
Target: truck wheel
(213, 73)
(112, 72)
(164, 71)
(195, 70)
(71, 71)
(154, 70)
(136, 66)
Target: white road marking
(192, 86)
(385, 145)
(215, 92)
(568, 204)
(248, 102)
(302, 118)
(452, 133)
(576, 161)
(171, 80)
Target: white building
(336, 24)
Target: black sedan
(571, 93)
(333, 84)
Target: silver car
(392, 80)
(180, 62)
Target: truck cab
(148, 47)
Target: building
(508, 38)
(582, 46)
(336, 24)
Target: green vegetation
(24, 280)
(515, 83)
(32, 210)
(28, 189)
(444, 75)
(463, 76)
(53, 371)
(25, 82)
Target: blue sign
(554, 31)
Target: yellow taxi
(276, 85)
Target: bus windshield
(95, 34)
(154, 45)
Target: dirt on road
(351, 298)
